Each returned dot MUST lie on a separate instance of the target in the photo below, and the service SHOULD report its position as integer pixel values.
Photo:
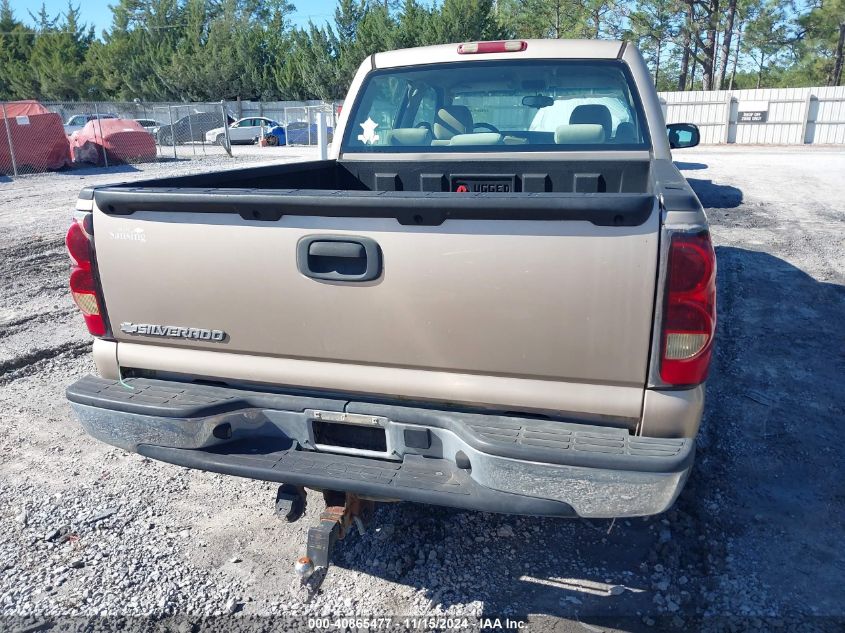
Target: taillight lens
(82, 286)
(78, 246)
(689, 312)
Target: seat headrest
(625, 133)
(579, 134)
(451, 120)
(410, 136)
(482, 138)
(593, 113)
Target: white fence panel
(829, 115)
(792, 116)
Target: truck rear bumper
(476, 461)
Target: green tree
(821, 42)
(766, 36)
(314, 56)
(553, 19)
(654, 25)
(326, 59)
(16, 40)
(58, 55)
(465, 20)
(414, 25)
(280, 77)
(160, 50)
(603, 19)
(135, 60)
(347, 18)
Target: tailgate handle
(337, 249)
(338, 257)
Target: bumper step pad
(418, 479)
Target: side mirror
(537, 101)
(683, 135)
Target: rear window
(520, 106)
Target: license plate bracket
(350, 436)
(349, 433)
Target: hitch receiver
(342, 511)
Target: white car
(78, 121)
(244, 131)
(150, 125)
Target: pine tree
(822, 42)
(413, 25)
(58, 55)
(765, 36)
(16, 40)
(654, 24)
(465, 20)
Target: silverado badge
(173, 331)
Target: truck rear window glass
(526, 105)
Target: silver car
(245, 131)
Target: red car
(119, 140)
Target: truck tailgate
(529, 314)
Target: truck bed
(607, 193)
(530, 176)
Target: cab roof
(534, 49)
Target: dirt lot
(754, 542)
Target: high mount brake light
(689, 311)
(82, 285)
(503, 46)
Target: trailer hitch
(343, 510)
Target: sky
(97, 12)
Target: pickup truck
(498, 293)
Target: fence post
(228, 146)
(805, 125)
(322, 135)
(190, 135)
(729, 106)
(172, 131)
(102, 140)
(9, 138)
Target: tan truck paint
(490, 298)
(549, 331)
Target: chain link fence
(299, 123)
(49, 136)
(191, 130)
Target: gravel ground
(753, 543)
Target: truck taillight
(689, 311)
(504, 46)
(82, 285)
